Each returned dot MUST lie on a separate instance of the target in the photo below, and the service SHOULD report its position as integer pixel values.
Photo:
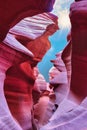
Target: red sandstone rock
(12, 12)
(41, 45)
(78, 16)
(66, 57)
(18, 92)
(20, 79)
(8, 57)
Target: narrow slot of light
(64, 21)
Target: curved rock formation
(40, 86)
(18, 92)
(44, 109)
(19, 78)
(70, 120)
(79, 47)
(66, 57)
(59, 78)
(11, 12)
(8, 57)
(40, 83)
(75, 118)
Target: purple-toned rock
(45, 108)
(66, 57)
(58, 78)
(71, 120)
(33, 27)
(75, 118)
(53, 72)
(58, 62)
(40, 85)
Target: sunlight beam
(64, 21)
